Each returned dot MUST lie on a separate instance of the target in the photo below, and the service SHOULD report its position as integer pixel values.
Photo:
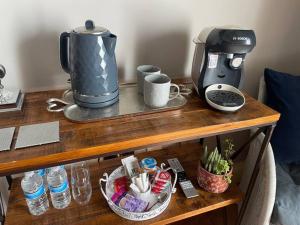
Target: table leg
(219, 143)
(201, 141)
(269, 131)
(225, 216)
(9, 181)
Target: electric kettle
(87, 53)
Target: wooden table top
(84, 141)
(97, 210)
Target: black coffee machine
(219, 57)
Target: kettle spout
(110, 43)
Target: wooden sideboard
(97, 210)
(92, 140)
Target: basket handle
(175, 179)
(105, 179)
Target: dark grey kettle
(88, 54)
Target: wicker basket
(109, 191)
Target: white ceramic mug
(157, 90)
(143, 71)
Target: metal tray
(108, 191)
(130, 103)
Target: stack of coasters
(11, 103)
(37, 134)
(6, 136)
(161, 182)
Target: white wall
(151, 31)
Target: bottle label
(38, 193)
(60, 188)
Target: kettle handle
(64, 51)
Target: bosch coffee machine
(219, 58)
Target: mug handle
(178, 91)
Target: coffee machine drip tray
(130, 103)
(224, 97)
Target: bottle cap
(29, 173)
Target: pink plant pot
(211, 182)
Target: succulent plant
(229, 149)
(217, 163)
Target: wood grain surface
(84, 141)
(97, 210)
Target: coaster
(9, 96)
(38, 134)
(6, 136)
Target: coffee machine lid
(202, 37)
(90, 28)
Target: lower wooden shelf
(97, 210)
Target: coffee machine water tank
(219, 57)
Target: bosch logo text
(239, 38)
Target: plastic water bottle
(59, 187)
(35, 194)
(43, 174)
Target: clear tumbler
(81, 183)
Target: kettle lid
(90, 28)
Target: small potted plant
(215, 169)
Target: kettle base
(96, 105)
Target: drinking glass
(81, 183)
